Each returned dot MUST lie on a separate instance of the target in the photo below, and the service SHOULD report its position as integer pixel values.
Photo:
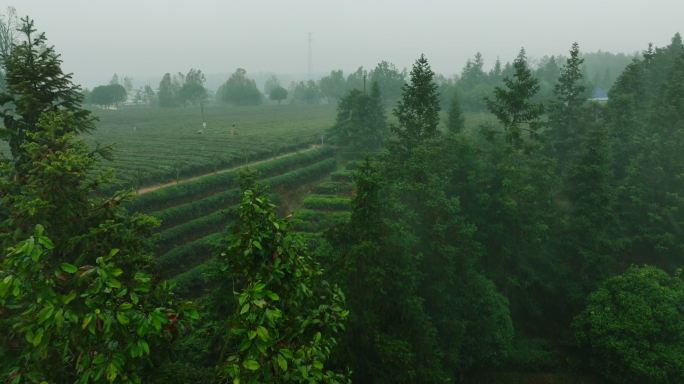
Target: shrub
(633, 327)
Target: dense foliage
(360, 122)
(548, 237)
(285, 317)
(78, 303)
(107, 95)
(240, 90)
(633, 327)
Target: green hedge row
(125, 178)
(179, 214)
(302, 175)
(191, 283)
(308, 220)
(327, 203)
(187, 256)
(344, 175)
(333, 187)
(215, 222)
(205, 186)
(212, 223)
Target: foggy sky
(145, 38)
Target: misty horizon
(97, 40)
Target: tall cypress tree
(77, 304)
(360, 121)
(35, 85)
(651, 198)
(564, 113)
(626, 113)
(390, 338)
(418, 109)
(513, 105)
(589, 237)
(455, 119)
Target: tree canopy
(240, 90)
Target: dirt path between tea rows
(186, 180)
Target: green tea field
(155, 145)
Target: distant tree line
(473, 84)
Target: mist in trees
(502, 221)
(107, 95)
(240, 90)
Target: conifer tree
(76, 300)
(651, 197)
(360, 121)
(626, 113)
(418, 109)
(35, 84)
(591, 221)
(564, 112)
(455, 119)
(390, 339)
(513, 105)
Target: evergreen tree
(390, 81)
(625, 116)
(589, 239)
(455, 119)
(651, 197)
(35, 84)
(513, 105)
(168, 92)
(360, 121)
(418, 109)
(390, 339)
(424, 192)
(564, 112)
(77, 303)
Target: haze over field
(144, 39)
(425, 192)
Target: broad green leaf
(244, 309)
(112, 372)
(263, 333)
(69, 297)
(114, 283)
(68, 268)
(273, 296)
(45, 314)
(282, 363)
(86, 321)
(37, 337)
(286, 353)
(252, 365)
(123, 320)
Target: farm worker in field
(233, 130)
